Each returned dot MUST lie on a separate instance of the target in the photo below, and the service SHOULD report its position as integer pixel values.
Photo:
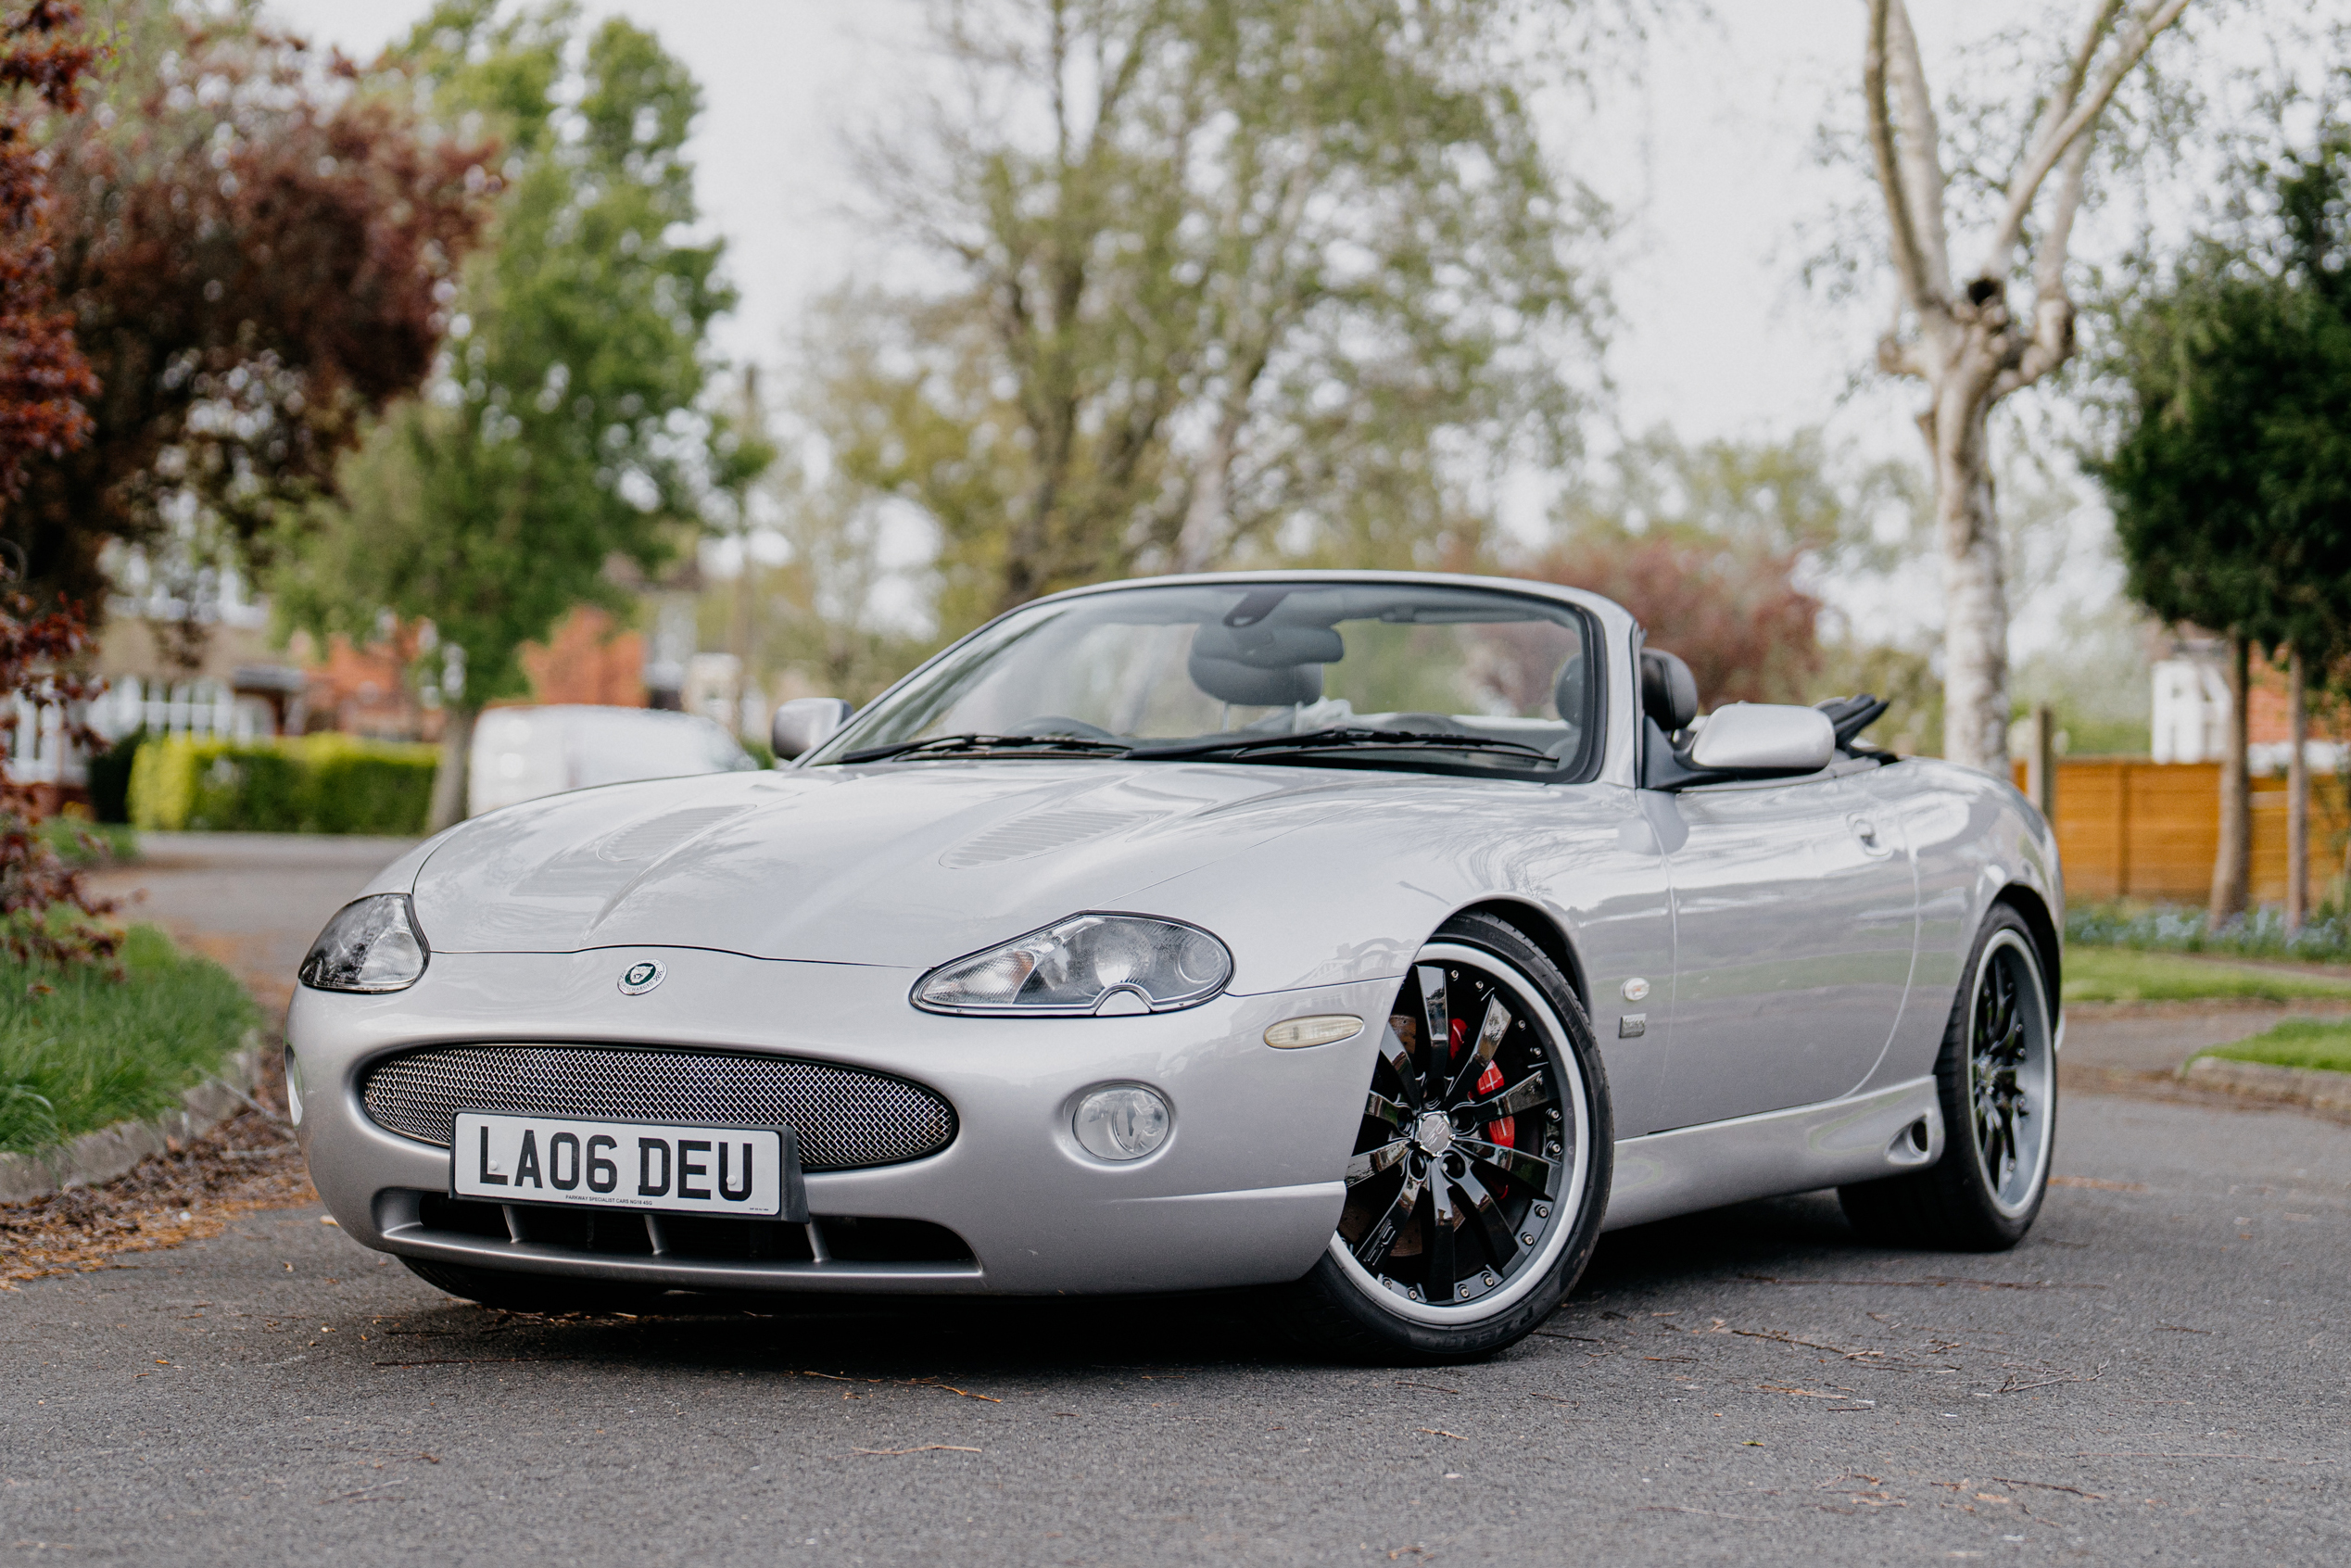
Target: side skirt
(1883, 1132)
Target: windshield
(1444, 678)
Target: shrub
(313, 784)
(2259, 933)
(111, 779)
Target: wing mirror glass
(805, 722)
(1764, 738)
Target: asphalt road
(2158, 1375)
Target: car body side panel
(1974, 838)
(1794, 937)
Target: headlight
(1106, 964)
(371, 944)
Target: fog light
(1122, 1123)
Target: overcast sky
(1704, 161)
(1708, 158)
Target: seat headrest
(1255, 685)
(1669, 693)
(1568, 693)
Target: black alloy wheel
(1480, 1170)
(1996, 1082)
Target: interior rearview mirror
(1764, 738)
(805, 722)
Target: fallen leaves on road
(1440, 1432)
(2093, 1181)
(921, 1448)
(2046, 1486)
(905, 1383)
(239, 1168)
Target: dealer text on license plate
(735, 1170)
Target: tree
(1224, 267)
(559, 432)
(1705, 545)
(2229, 466)
(1960, 336)
(45, 380)
(256, 245)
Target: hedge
(313, 784)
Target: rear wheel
(1997, 1081)
(1481, 1170)
(510, 1292)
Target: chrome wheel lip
(2034, 1077)
(1565, 1207)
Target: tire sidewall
(1411, 1340)
(1962, 1166)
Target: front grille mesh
(846, 1118)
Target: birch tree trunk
(1962, 340)
(2231, 863)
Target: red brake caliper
(1504, 1132)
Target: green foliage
(84, 845)
(2259, 933)
(81, 1050)
(314, 784)
(2230, 468)
(559, 432)
(2109, 974)
(2323, 1043)
(1233, 277)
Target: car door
(1794, 916)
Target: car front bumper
(1247, 1190)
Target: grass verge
(80, 1050)
(2324, 1043)
(2109, 974)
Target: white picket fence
(32, 742)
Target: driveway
(2157, 1373)
(252, 902)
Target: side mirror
(1764, 738)
(805, 722)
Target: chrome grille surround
(847, 1118)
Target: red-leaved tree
(259, 246)
(1731, 609)
(44, 378)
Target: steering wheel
(1058, 723)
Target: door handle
(1867, 832)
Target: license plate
(751, 1172)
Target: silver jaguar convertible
(1374, 939)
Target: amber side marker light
(1321, 1030)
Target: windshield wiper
(977, 745)
(1343, 739)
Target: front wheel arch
(1536, 925)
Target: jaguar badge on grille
(641, 977)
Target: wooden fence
(2129, 828)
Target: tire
(1522, 1224)
(507, 1291)
(1998, 1093)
